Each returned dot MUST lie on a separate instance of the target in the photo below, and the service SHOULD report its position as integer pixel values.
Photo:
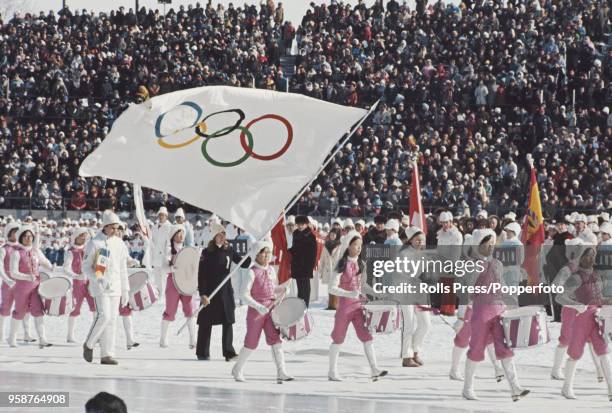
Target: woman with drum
(583, 291)
(485, 320)
(573, 248)
(25, 262)
(173, 297)
(215, 264)
(260, 294)
(349, 283)
(72, 267)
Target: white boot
(515, 387)
(163, 341)
(468, 384)
(12, 340)
(39, 322)
(334, 353)
(597, 363)
(368, 346)
(27, 337)
(192, 335)
(129, 332)
(2, 328)
(568, 385)
(557, 370)
(455, 373)
(279, 359)
(499, 370)
(245, 353)
(71, 324)
(606, 368)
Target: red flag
(281, 254)
(532, 232)
(416, 214)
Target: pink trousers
(172, 300)
(568, 316)
(80, 293)
(486, 326)
(586, 329)
(6, 300)
(349, 311)
(255, 324)
(27, 299)
(462, 338)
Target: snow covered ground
(173, 379)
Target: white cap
(514, 227)
(9, 227)
(593, 219)
(393, 224)
(446, 217)
(216, 229)
(179, 213)
(77, 233)
(346, 239)
(337, 221)
(510, 215)
(260, 245)
(162, 210)
(174, 229)
(478, 235)
(605, 216)
(405, 220)
(412, 231)
(580, 218)
(360, 222)
(482, 214)
(110, 218)
(606, 228)
(348, 223)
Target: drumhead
(289, 311)
(54, 287)
(521, 312)
(138, 280)
(187, 263)
(43, 276)
(605, 311)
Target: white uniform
(107, 299)
(513, 273)
(161, 241)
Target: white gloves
(104, 283)
(581, 308)
(11, 283)
(125, 298)
(458, 325)
(262, 309)
(354, 294)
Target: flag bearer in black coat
(303, 257)
(215, 264)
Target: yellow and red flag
(532, 233)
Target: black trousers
(303, 286)
(227, 338)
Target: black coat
(556, 258)
(375, 236)
(214, 266)
(303, 254)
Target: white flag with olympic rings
(240, 153)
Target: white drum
(291, 317)
(525, 327)
(185, 277)
(43, 276)
(382, 317)
(56, 296)
(142, 292)
(604, 320)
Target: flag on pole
(416, 213)
(144, 226)
(532, 232)
(240, 153)
(281, 252)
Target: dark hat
(380, 219)
(301, 219)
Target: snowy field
(153, 379)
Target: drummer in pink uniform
(25, 261)
(72, 267)
(349, 283)
(485, 320)
(583, 291)
(568, 313)
(260, 294)
(173, 297)
(126, 312)
(7, 298)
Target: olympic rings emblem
(246, 136)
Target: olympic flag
(240, 153)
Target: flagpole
(293, 202)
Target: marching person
(303, 257)
(450, 241)
(24, 265)
(108, 284)
(161, 240)
(7, 297)
(179, 219)
(485, 320)
(556, 258)
(573, 248)
(260, 294)
(416, 318)
(173, 297)
(73, 268)
(125, 311)
(513, 275)
(583, 291)
(215, 263)
(349, 283)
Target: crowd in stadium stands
(474, 92)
